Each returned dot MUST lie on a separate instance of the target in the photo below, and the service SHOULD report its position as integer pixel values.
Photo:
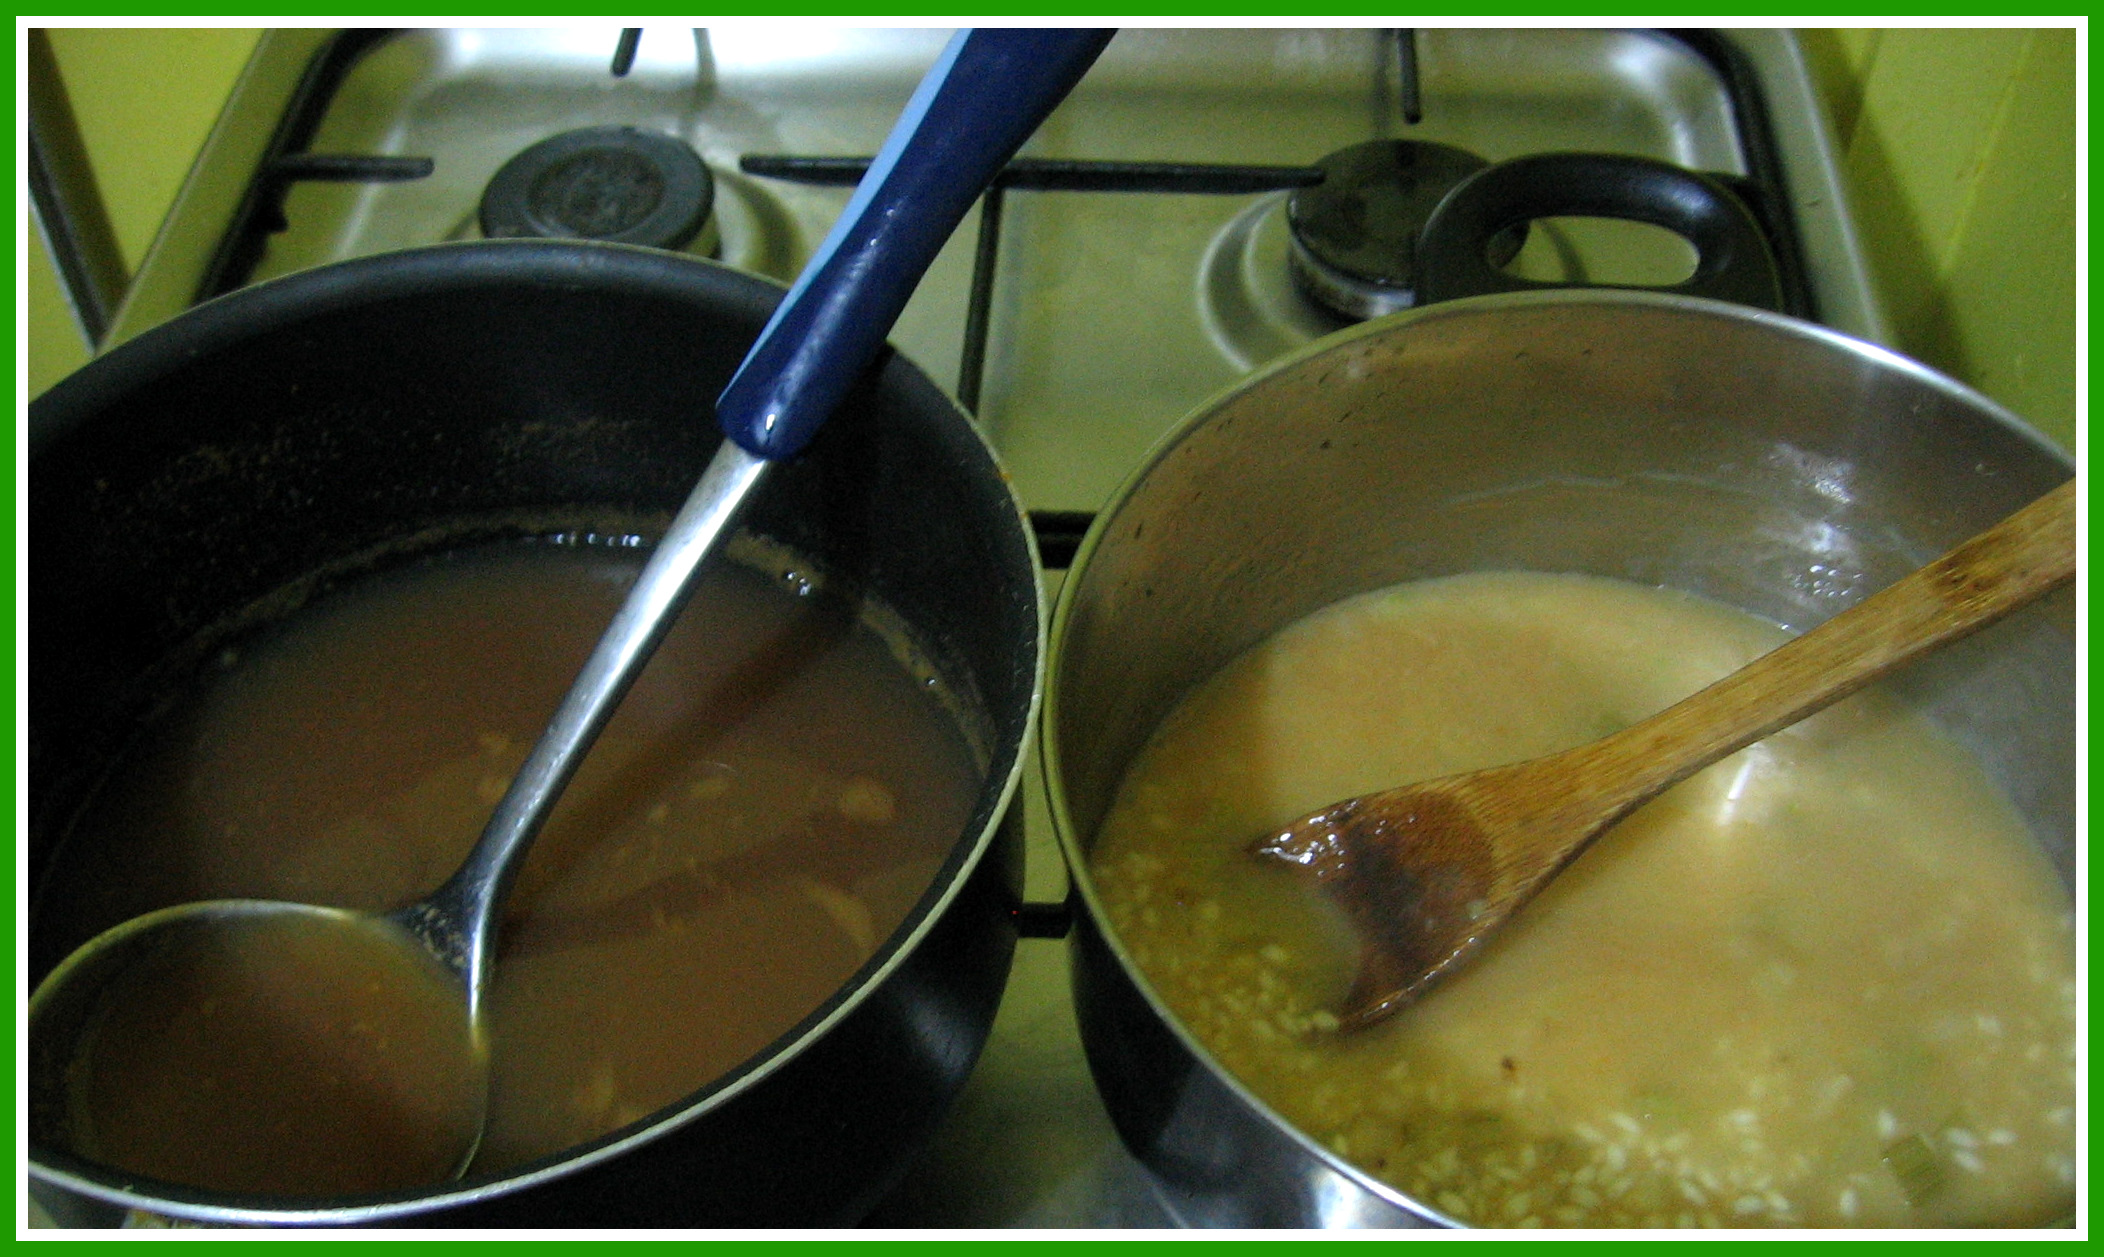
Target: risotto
(1828, 982)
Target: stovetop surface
(1112, 313)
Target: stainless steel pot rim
(330, 286)
(1497, 306)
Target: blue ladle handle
(971, 113)
(977, 105)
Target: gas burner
(602, 183)
(1354, 235)
(1249, 304)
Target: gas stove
(1187, 216)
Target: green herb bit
(1917, 1168)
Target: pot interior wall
(1748, 459)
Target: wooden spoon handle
(1995, 573)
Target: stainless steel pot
(314, 426)
(1740, 455)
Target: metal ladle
(985, 95)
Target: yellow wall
(145, 100)
(1958, 154)
(1959, 158)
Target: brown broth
(774, 796)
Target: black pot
(318, 424)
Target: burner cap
(602, 183)
(1355, 233)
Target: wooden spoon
(1428, 871)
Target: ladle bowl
(300, 1050)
